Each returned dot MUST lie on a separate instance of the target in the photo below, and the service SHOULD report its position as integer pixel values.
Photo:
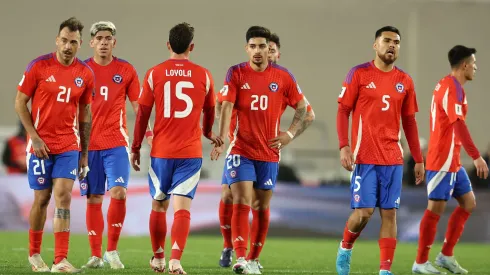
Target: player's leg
(364, 188)
(160, 180)
(240, 175)
(65, 171)
(116, 167)
(467, 203)
(93, 186)
(39, 177)
(390, 186)
(225, 214)
(263, 188)
(439, 188)
(184, 184)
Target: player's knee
(245, 200)
(364, 214)
(260, 206)
(95, 199)
(388, 215)
(226, 196)
(63, 199)
(159, 206)
(42, 200)
(469, 206)
(118, 193)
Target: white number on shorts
(63, 91)
(38, 163)
(167, 90)
(386, 102)
(232, 161)
(357, 184)
(104, 91)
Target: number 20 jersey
(55, 91)
(258, 99)
(378, 101)
(180, 90)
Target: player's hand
(419, 171)
(40, 148)
(481, 168)
(215, 140)
(135, 160)
(83, 168)
(149, 140)
(347, 158)
(280, 141)
(217, 151)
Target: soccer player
(226, 202)
(60, 85)
(446, 177)
(379, 95)
(181, 90)
(109, 144)
(257, 90)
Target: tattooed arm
(294, 130)
(85, 122)
(309, 118)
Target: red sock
(258, 234)
(95, 227)
(454, 230)
(427, 235)
(349, 238)
(61, 244)
(35, 240)
(225, 213)
(180, 231)
(115, 221)
(240, 229)
(387, 248)
(158, 232)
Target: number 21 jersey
(180, 90)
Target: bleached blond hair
(103, 26)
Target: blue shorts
(376, 186)
(174, 176)
(262, 173)
(442, 185)
(111, 165)
(41, 172)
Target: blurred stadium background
(321, 40)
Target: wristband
(148, 134)
(290, 135)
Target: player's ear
(168, 46)
(191, 47)
(279, 55)
(114, 44)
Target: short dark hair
(458, 54)
(386, 29)
(275, 38)
(180, 37)
(258, 31)
(73, 24)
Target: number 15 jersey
(258, 99)
(180, 90)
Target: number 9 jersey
(180, 90)
(378, 101)
(258, 99)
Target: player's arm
(145, 105)
(149, 132)
(409, 108)
(309, 118)
(85, 122)
(227, 98)
(346, 102)
(25, 91)
(133, 92)
(209, 111)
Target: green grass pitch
(280, 255)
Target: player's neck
(103, 60)
(383, 66)
(459, 77)
(183, 56)
(258, 68)
(63, 62)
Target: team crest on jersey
(273, 87)
(233, 173)
(83, 186)
(117, 78)
(40, 180)
(79, 82)
(399, 87)
(357, 198)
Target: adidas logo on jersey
(245, 87)
(120, 180)
(371, 86)
(51, 79)
(268, 182)
(74, 172)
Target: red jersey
(180, 90)
(259, 99)
(448, 105)
(114, 82)
(378, 101)
(56, 90)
